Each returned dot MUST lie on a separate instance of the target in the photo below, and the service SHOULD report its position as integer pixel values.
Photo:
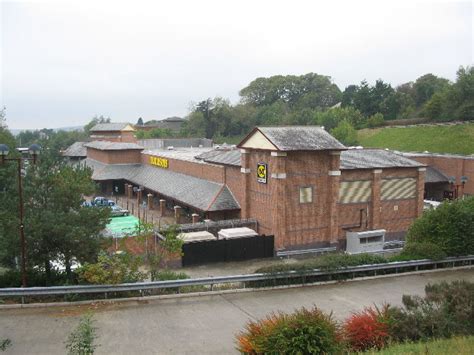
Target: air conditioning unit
(365, 242)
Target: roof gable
(291, 138)
(256, 140)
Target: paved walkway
(198, 325)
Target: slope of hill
(455, 139)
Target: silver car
(117, 211)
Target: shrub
(326, 262)
(446, 310)
(12, 278)
(450, 226)
(170, 275)
(81, 340)
(376, 120)
(417, 251)
(113, 269)
(368, 329)
(306, 331)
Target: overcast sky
(62, 62)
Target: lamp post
(34, 151)
(452, 181)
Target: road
(198, 325)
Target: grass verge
(457, 345)
(456, 139)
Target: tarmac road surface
(198, 325)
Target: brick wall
(114, 156)
(209, 172)
(452, 166)
(113, 136)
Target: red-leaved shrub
(367, 329)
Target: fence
(242, 281)
(228, 250)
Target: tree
(95, 120)
(156, 252)
(426, 86)
(450, 226)
(332, 117)
(3, 121)
(140, 122)
(375, 120)
(345, 133)
(57, 228)
(306, 91)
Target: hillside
(456, 139)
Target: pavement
(198, 325)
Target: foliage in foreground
(447, 310)
(82, 340)
(306, 331)
(458, 345)
(368, 329)
(5, 344)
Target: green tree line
(314, 99)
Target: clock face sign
(262, 173)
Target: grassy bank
(459, 345)
(458, 139)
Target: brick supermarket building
(299, 183)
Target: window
(306, 194)
(368, 240)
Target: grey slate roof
(76, 150)
(225, 157)
(375, 158)
(433, 175)
(301, 138)
(105, 145)
(113, 126)
(198, 193)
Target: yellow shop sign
(160, 162)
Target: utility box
(232, 233)
(196, 237)
(365, 242)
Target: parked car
(86, 204)
(117, 211)
(430, 205)
(102, 201)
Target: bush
(450, 226)
(81, 340)
(12, 278)
(446, 310)
(326, 262)
(367, 329)
(417, 251)
(170, 275)
(115, 269)
(302, 332)
(375, 120)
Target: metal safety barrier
(354, 271)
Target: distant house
(113, 132)
(75, 152)
(172, 123)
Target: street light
(34, 151)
